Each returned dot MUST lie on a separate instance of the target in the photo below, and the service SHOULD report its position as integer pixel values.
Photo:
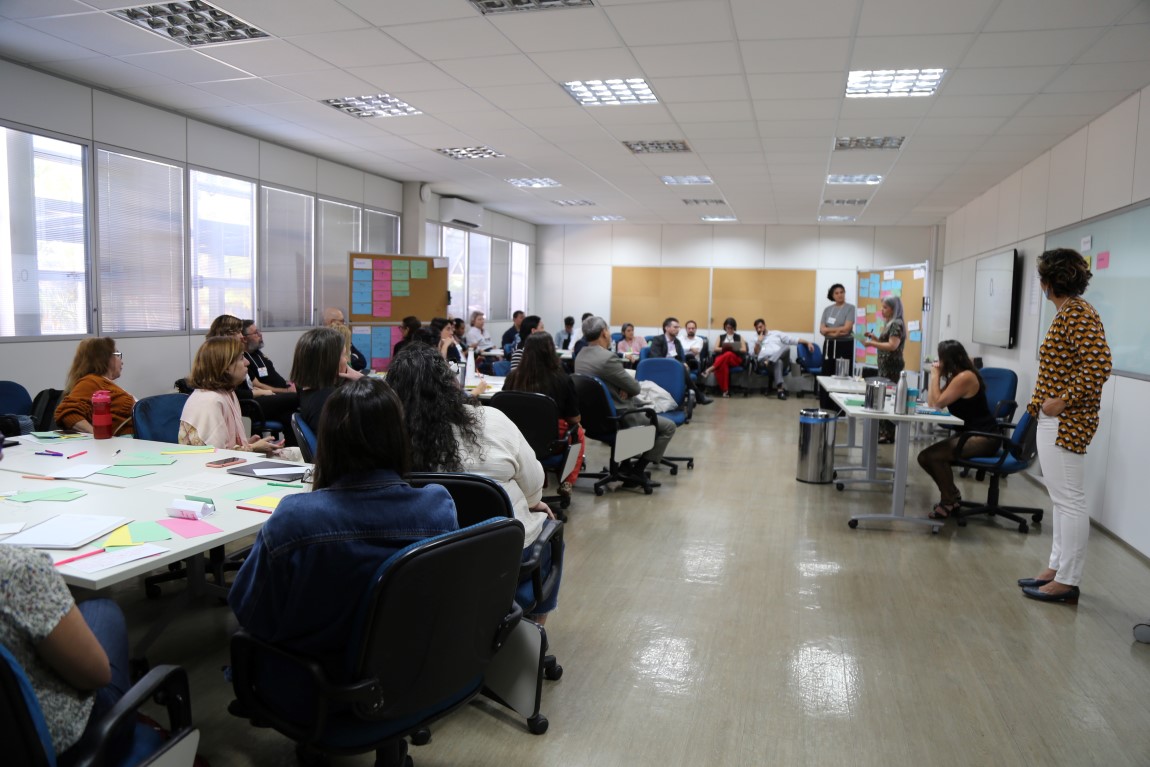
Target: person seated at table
(450, 432)
(694, 345)
(669, 345)
(95, 367)
(964, 395)
(539, 371)
(511, 335)
(580, 342)
(316, 557)
(772, 348)
(318, 367)
(530, 325)
(333, 318)
(630, 344)
(75, 656)
(408, 326)
(211, 415)
(443, 331)
(564, 337)
(460, 330)
(731, 350)
(226, 325)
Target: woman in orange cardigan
(96, 366)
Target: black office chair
(479, 498)
(44, 408)
(435, 615)
(537, 417)
(601, 422)
(1015, 453)
(25, 738)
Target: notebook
(273, 470)
(66, 531)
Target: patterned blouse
(1073, 363)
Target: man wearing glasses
(261, 372)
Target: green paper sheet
(251, 492)
(145, 459)
(419, 270)
(127, 472)
(55, 494)
(148, 532)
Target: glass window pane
(520, 257)
(455, 251)
(141, 243)
(223, 244)
(478, 274)
(381, 232)
(287, 249)
(499, 302)
(431, 242)
(339, 236)
(43, 243)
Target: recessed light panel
(893, 83)
(852, 202)
(868, 179)
(868, 142)
(607, 218)
(532, 183)
(192, 23)
(510, 6)
(572, 203)
(470, 152)
(657, 147)
(716, 219)
(686, 180)
(614, 92)
(701, 201)
(837, 219)
(381, 105)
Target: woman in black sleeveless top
(965, 397)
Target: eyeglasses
(118, 355)
(253, 333)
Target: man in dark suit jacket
(661, 347)
(597, 359)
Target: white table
(903, 425)
(846, 386)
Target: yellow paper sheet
(121, 536)
(264, 501)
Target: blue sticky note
(359, 293)
(874, 280)
(361, 275)
(361, 340)
(915, 335)
(359, 307)
(864, 289)
(381, 342)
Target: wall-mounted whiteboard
(1118, 249)
(996, 283)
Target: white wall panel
(1110, 144)
(1142, 152)
(792, 247)
(845, 247)
(586, 289)
(382, 193)
(586, 245)
(740, 247)
(42, 101)
(499, 225)
(1125, 501)
(132, 125)
(1067, 175)
(688, 245)
(986, 216)
(1032, 199)
(548, 285)
(287, 167)
(1009, 207)
(522, 231)
(549, 248)
(897, 245)
(339, 181)
(636, 245)
(948, 306)
(955, 237)
(223, 150)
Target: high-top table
(846, 386)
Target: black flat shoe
(1069, 597)
(1032, 583)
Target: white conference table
(846, 386)
(904, 423)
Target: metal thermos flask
(875, 396)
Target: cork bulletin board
(785, 298)
(909, 284)
(384, 290)
(646, 295)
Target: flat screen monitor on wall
(996, 285)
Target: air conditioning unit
(453, 210)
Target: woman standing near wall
(1073, 363)
(889, 344)
(835, 326)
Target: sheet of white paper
(277, 472)
(919, 273)
(888, 274)
(912, 325)
(7, 528)
(361, 263)
(67, 531)
(76, 470)
(108, 559)
(197, 483)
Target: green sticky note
(853, 402)
(145, 459)
(419, 270)
(54, 494)
(251, 492)
(148, 532)
(402, 267)
(127, 472)
(45, 435)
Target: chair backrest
(667, 372)
(14, 399)
(158, 418)
(44, 408)
(23, 730)
(1024, 440)
(615, 339)
(476, 497)
(596, 409)
(644, 353)
(1001, 390)
(810, 360)
(501, 367)
(304, 437)
(537, 417)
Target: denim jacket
(312, 562)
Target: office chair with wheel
(425, 633)
(537, 417)
(1001, 389)
(667, 373)
(14, 399)
(304, 436)
(157, 418)
(810, 363)
(601, 422)
(1015, 454)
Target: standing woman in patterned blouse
(1073, 363)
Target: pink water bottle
(101, 414)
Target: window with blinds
(140, 243)
(339, 235)
(222, 235)
(478, 274)
(380, 232)
(287, 256)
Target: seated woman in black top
(444, 332)
(318, 367)
(965, 397)
(539, 371)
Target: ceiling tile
(1052, 47)
(689, 60)
(22, 43)
(454, 39)
(26, 9)
(249, 90)
(393, 14)
(1127, 75)
(958, 126)
(798, 86)
(329, 84)
(515, 69)
(796, 109)
(284, 18)
(105, 71)
(977, 106)
(758, 20)
(563, 66)
(572, 29)
(711, 111)
(1011, 15)
(995, 80)
(677, 90)
(572, 114)
(407, 77)
(679, 21)
(923, 17)
(533, 96)
(726, 129)
(1125, 43)
(796, 128)
(103, 34)
(1060, 124)
(813, 55)
(453, 101)
(1092, 103)
(176, 96)
(909, 51)
(353, 48)
(185, 66)
(267, 57)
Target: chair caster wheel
(537, 725)
(1036, 517)
(553, 672)
(1023, 527)
(840, 486)
(421, 737)
(598, 491)
(852, 524)
(152, 591)
(647, 489)
(961, 522)
(674, 470)
(690, 464)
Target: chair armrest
(1004, 445)
(552, 537)
(506, 626)
(169, 685)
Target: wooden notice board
(785, 298)
(385, 289)
(647, 295)
(909, 284)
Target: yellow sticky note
(266, 501)
(188, 452)
(121, 536)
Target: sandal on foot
(942, 510)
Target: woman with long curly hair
(95, 367)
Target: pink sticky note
(381, 294)
(189, 528)
(377, 311)
(378, 276)
(1102, 260)
(379, 363)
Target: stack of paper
(66, 531)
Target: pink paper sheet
(189, 528)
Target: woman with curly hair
(1073, 364)
(95, 367)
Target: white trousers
(1064, 471)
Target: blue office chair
(810, 363)
(667, 373)
(1001, 389)
(304, 437)
(502, 368)
(602, 422)
(14, 399)
(645, 352)
(615, 339)
(1015, 453)
(158, 418)
(24, 732)
(425, 631)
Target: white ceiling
(755, 86)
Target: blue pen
(49, 452)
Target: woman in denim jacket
(315, 558)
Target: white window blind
(43, 248)
(380, 232)
(287, 249)
(499, 305)
(520, 258)
(478, 274)
(339, 236)
(454, 249)
(141, 243)
(223, 245)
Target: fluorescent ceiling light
(193, 23)
(657, 147)
(700, 201)
(893, 83)
(510, 6)
(607, 218)
(718, 218)
(470, 152)
(532, 183)
(614, 92)
(572, 203)
(686, 180)
(868, 142)
(380, 105)
(869, 179)
(837, 219)
(847, 202)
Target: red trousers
(722, 365)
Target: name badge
(261, 372)
(832, 320)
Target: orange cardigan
(77, 404)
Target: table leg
(898, 497)
(869, 466)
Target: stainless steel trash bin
(816, 446)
